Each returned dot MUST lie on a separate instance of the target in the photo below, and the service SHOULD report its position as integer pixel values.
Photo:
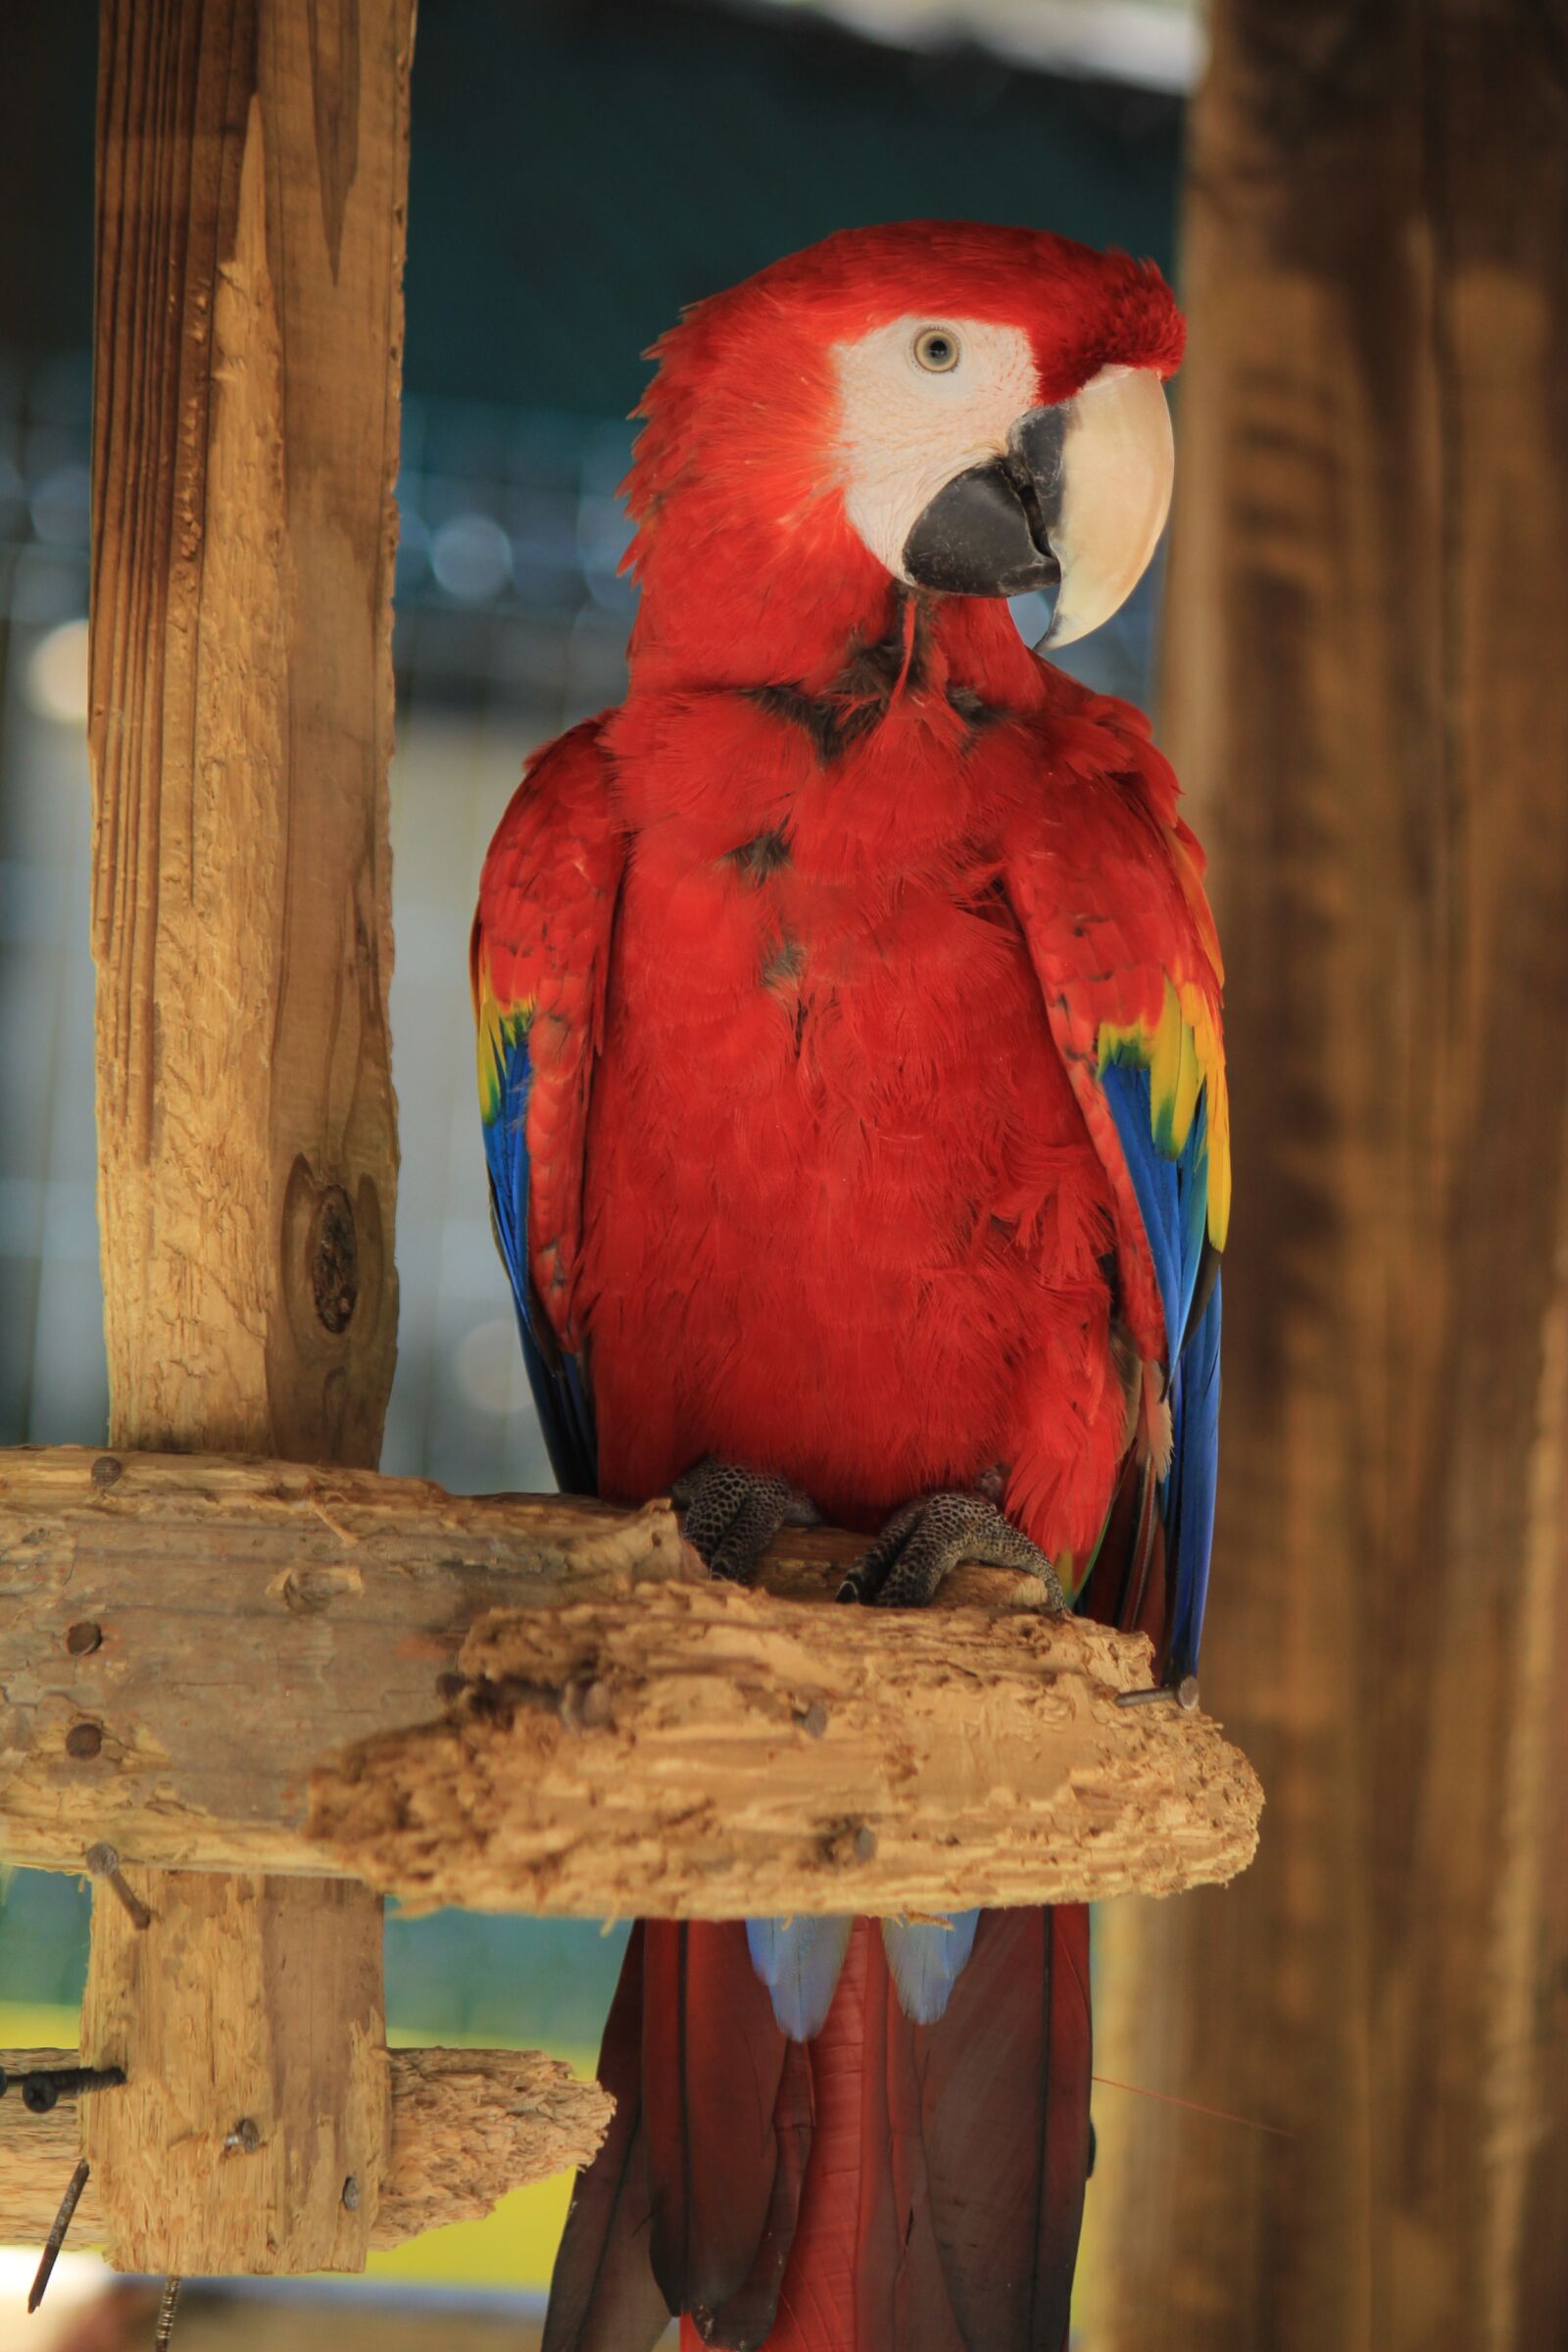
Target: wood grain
(1368, 695)
(707, 1753)
(249, 329)
(466, 2127)
(244, 1999)
(226, 1626)
(252, 167)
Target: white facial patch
(907, 431)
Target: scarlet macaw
(854, 1111)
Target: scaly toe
(927, 1539)
(730, 1515)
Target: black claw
(731, 1515)
(929, 1536)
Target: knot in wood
(335, 1261)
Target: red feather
(603, 2296)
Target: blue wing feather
(560, 1391)
(1172, 1195)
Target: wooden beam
(1366, 690)
(252, 175)
(710, 1754)
(275, 1986)
(253, 157)
(466, 2127)
(220, 1627)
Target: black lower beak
(988, 531)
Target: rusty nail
(856, 1842)
(106, 1471)
(57, 2235)
(82, 1640)
(351, 2193)
(1184, 1693)
(83, 1740)
(166, 2314)
(103, 1861)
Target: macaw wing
(539, 962)
(1110, 898)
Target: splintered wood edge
(703, 1752)
(466, 2127)
(222, 1663)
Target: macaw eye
(936, 350)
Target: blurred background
(577, 174)
(1334, 2097)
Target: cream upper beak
(1118, 465)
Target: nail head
(83, 1637)
(83, 1742)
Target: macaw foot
(731, 1515)
(931, 1534)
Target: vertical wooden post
(1367, 691)
(252, 175)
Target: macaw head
(968, 410)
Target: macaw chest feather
(833, 1148)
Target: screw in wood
(43, 2088)
(57, 2235)
(166, 2314)
(1184, 1695)
(103, 1861)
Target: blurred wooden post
(252, 175)
(1367, 694)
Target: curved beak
(1118, 462)
(1077, 504)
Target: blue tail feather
(799, 1961)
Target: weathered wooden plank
(713, 1754)
(272, 1987)
(1366, 689)
(253, 161)
(219, 1628)
(466, 2127)
(252, 168)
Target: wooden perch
(713, 1753)
(543, 1704)
(466, 2125)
